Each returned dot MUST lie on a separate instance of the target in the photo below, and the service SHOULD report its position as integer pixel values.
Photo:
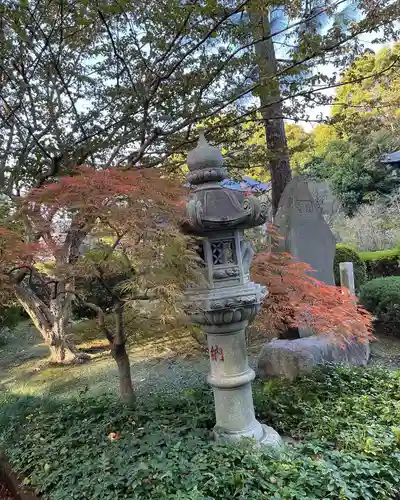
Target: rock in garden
(290, 359)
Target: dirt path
(386, 352)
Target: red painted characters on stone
(216, 353)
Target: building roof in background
(391, 157)
(247, 184)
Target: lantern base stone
(270, 437)
(263, 435)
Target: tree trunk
(62, 350)
(52, 325)
(118, 351)
(118, 348)
(121, 357)
(271, 107)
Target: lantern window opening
(223, 252)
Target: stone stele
(306, 234)
(308, 238)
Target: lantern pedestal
(230, 378)
(224, 314)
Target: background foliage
(382, 263)
(381, 296)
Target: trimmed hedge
(347, 254)
(382, 263)
(381, 296)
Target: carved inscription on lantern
(216, 353)
(223, 252)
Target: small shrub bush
(9, 317)
(347, 254)
(382, 263)
(381, 297)
(346, 421)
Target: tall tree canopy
(124, 83)
(355, 169)
(369, 104)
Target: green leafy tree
(373, 103)
(317, 34)
(303, 146)
(323, 135)
(355, 169)
(300, 145)
(125, 83)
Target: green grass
(139, 329)
(25, 370)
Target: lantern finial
(205, 162)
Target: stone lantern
(229, 301)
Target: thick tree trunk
(279, 162)
(65, 352)
(52, 326)
(62, 350)
(272, 112)
(271, 107)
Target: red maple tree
(134, 217)
(297, 299)
(39, 265)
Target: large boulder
(290, 359)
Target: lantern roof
(211, 206)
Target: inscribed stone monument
(306, 234)
(328, 203)
(308, 238)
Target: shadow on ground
(165, 364)
(168, 362)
